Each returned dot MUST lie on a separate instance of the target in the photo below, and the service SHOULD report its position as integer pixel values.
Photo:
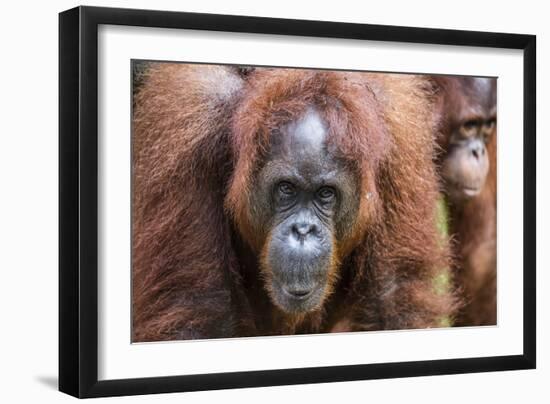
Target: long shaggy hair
(200, 133)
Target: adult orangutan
(469, 173)
(280, 201)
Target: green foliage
(442, 218)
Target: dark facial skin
(305, 201)
(472, 122)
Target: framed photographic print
(251, 201)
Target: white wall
(28, 201)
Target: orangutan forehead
(299, 152)
(481, 92)
(483, 84)
(304, 137)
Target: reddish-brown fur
(474, 230)
(200, 133)
(472, 223)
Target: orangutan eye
(326, 193)
(470, 127)
(471, 124)
(490, 124)
(286, 188)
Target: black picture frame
(78, 201)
